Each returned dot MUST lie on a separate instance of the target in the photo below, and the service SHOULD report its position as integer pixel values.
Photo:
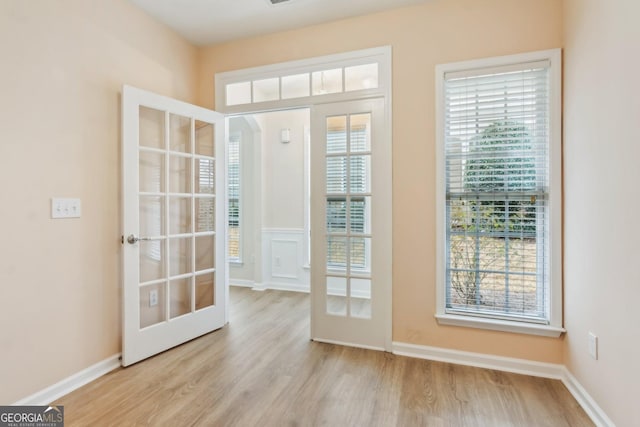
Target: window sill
(236, 263)
(500, 325)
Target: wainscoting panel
(284, 260)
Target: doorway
(348, 97)
(268, 200)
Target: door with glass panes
(351, 224)
(173, 218)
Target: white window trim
(239, 261)
(554, 327)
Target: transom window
(500, 179)
(321, 82)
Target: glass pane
(328, 81)
(179, 256)
(336, 252)
(179, 174)
(360, 255)
(360, 133)
(205, 252)
(205, 214)
(266, 90)
(180, 136)
(337, 134)
(361, 77)
(179, 215)
(337, 296)
(151, 260)
(360, 215)
(360, 174)
(337, 175)
(239, 93)
(295, 86)
(151, 216)
(152, 304)
(360, 298)
(205, 295)
(180, 302)
(204, 179)
(151, 172)
(151, 127)
(336, 215)
(205, 138)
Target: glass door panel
(173, 279)
(351, 233)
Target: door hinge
(122, 239)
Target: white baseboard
(589, 405)
(478, 360)
(291, 287)
(276, 286)
(242, 283)
(69, 384)
(508, 364)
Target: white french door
(174, 238)
(351, 224)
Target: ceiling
(205, 22)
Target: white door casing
(173, 188)
(351, 217)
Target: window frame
(239, 259)
(553, 326)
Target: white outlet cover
(153, 298)
(593, 346)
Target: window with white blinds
(497, 141)
(233, 167)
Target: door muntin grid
(348, 284)
(176, 215)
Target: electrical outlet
(593, 346)
(153, 298)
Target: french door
(174, 230)
(351, 224)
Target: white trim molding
(242, 283)
(500, 325)
(593, 410)
(508, 364)
(71, 383)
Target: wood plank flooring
(262, 370)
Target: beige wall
(601, 152)
(283, 169)
(63, 64)
(421, 36)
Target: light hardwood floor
(262, 370)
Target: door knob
(133, 238)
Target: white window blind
(233, 168)
(496, 141)
(348, 188)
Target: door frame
(380, 55)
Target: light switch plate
(65, 208)
(593, 346)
